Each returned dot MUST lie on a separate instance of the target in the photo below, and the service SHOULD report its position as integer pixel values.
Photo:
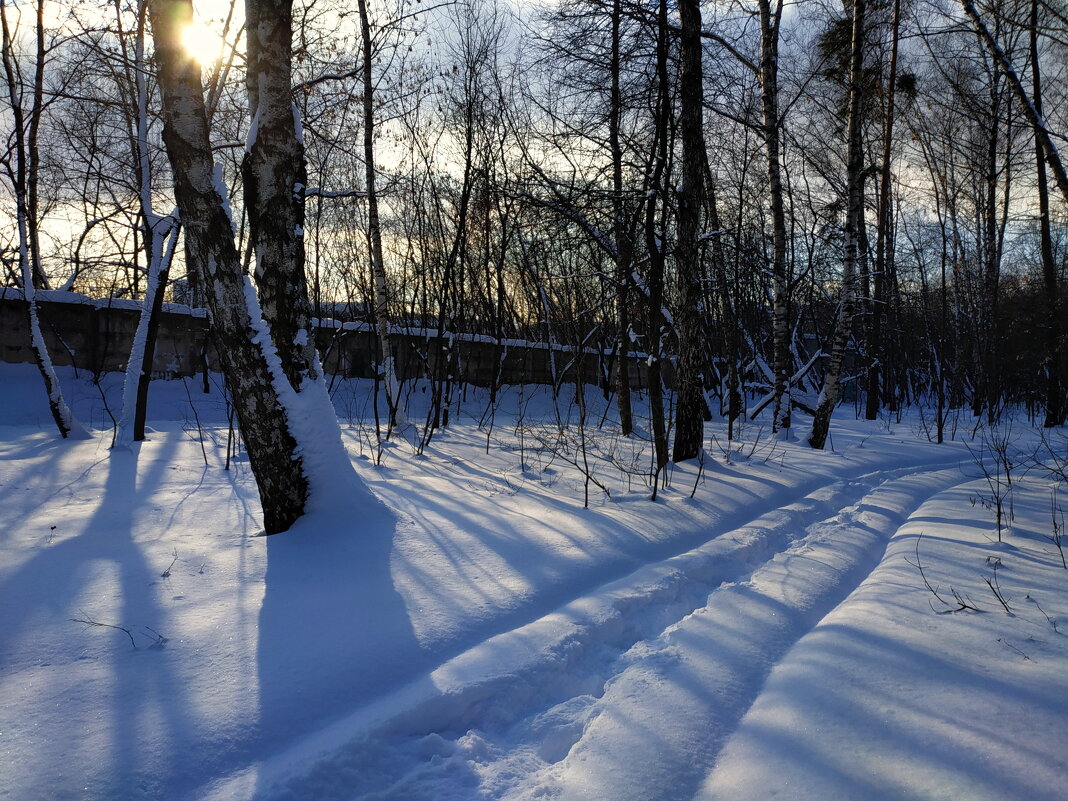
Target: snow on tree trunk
(139, 365)
(274, 176)
(66, 423)
(155, 233)
(239, 335)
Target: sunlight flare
(202, 43)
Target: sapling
(196, 417)
(1058, 525)
(960, 602)
(1010, 646)
(700, 470)
(167, 573)
(995, 446)
(995, 587)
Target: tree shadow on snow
(334, 633)
(134, 743)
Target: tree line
(773, 206)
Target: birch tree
(621, 231)
(242, 339)
(159, 236)
(20, 166)
(274, 179)
(655, 223)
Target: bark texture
(854, 221)
(240, 339)
(25, 168)
(624, 246)
(1055, 325)
(275, 175)
(654, 236)
(689, 379)
(374, 227)
(769, 101)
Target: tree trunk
(242, 340)
(67, 425)
(854, 220)
(689, 379)
(155, 292)
(33, 155)
(155, 231)
(1034, 116)
(387, 367)
(877, 369)
(274, 177)
(1055, 367)
(654, 236)
(624, 246)
(769, 98)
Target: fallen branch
(88, 621)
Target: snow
(457, 626)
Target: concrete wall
(96, 335)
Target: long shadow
(44, 478)
(147, 729)
(941, 746)
(334, 633)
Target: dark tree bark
(769, 99)
(1034, 116)
(387, 369)
(159, 236)
(878, 369)
(144, 379)
(854, 220)
(1055, 366)
(624, 246)
(240, 338)
(33, 152)
(654, 237)
(689, 382)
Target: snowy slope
(474, 632)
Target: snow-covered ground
(468, 630)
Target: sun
(202, 43)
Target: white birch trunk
(156, 231)
(68, 426)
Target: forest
(781, 205)
(778, 512)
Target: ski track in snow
(518, 646)
(664, 661)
